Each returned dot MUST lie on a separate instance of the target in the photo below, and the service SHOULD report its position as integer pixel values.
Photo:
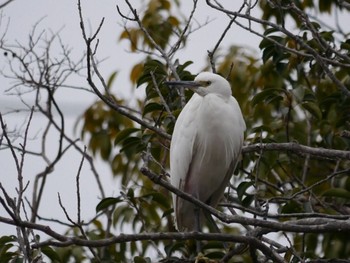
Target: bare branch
(9, 143)
(161, 97)
(298, 149)
(5, 3)
(78, 187)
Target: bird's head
(206, 83)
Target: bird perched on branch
(205, 146)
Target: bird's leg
(211, 222)
(197, 213)
(215, 227)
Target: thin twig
(78, 187)
(155, 84)
(298, 149)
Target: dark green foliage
(6, 249)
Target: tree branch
(300, 149)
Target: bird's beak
(188, 84)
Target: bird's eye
(208, 83)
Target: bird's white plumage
(205, 146)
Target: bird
(205, 147)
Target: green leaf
(106, 202)
(181, 68)
(242, 189)
(124, 134)
(7, 239)
(51, 254)
(313, 109)
(267, 42)
(145, 78)
(168, 212)
(327, 35)
(337, 192)
(309, 97)
(325, 6)
(157, 197)
(130, 193)
(214, 255)
(345, 45)
(267, 96)
(100, 141)
(268, 52)
(152, 106)
(111, 79)
(281, 67)
(292, 207)
(247, 200)
(172, 247)
(314, 24)
(213, 244)
(139, 259)
(132, 145)
(105, 146)
(154, 66)
(136, 72)
(8, 256)
(347, 184)
(261, 128)
(270, 30)
(6, 244)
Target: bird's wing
(182, 145)
(240, 127)
(181, 149)
(218, 193)
(239, 115)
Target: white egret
(205, 146)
